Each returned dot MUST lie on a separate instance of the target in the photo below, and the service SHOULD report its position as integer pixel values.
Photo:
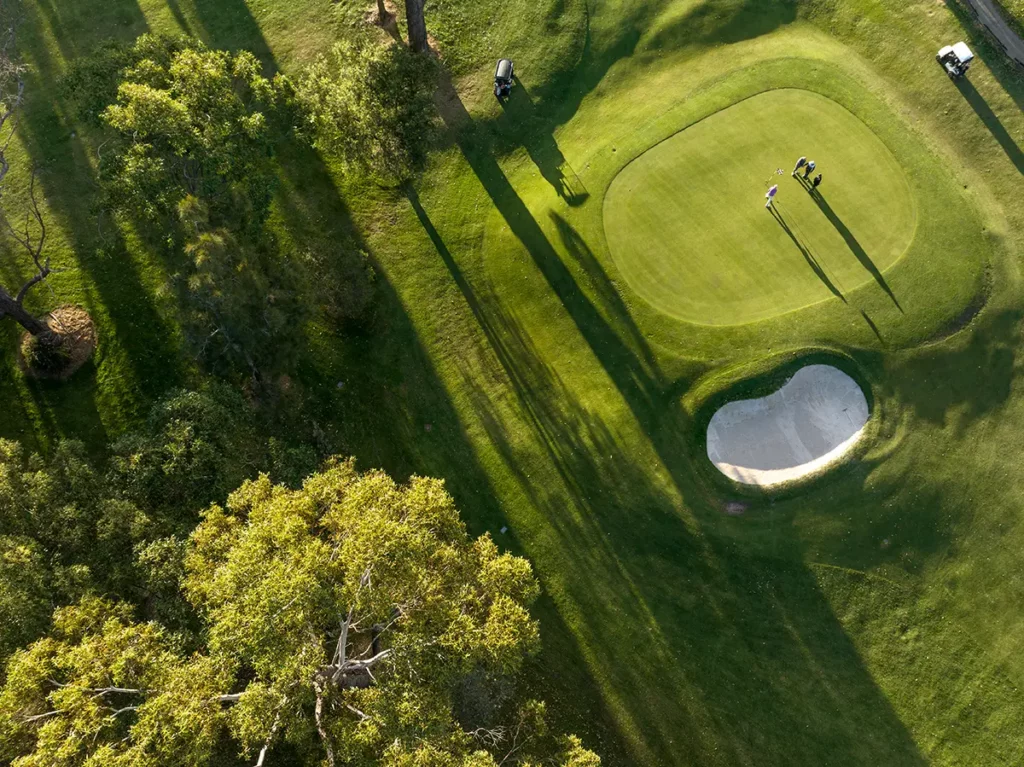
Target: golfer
(799, 164)
(809, 169)
(771, 196)
(817, 181)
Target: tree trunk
(11, 308)
(382, 12)
(417, 26)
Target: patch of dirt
(389, 23)
(78, 332)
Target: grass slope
(873, 618)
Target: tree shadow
(179, 16)
(936, 381)
(229, 24)
(1004, 69)
(992, 122)
(137, 354)
(631, 374)
(805, 252)
(854, 245)
(730, 642)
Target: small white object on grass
(504, 530)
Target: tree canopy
(371, 106)
(192, 122)
(341, 621)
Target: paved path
(992, 19)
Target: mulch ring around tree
(75, 328)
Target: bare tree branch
(318, 712)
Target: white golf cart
(956, 60)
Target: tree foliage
(190, 162)
(372, 107)
(193, 449)
(191, 122)
(340, 619)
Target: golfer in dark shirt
(817, 181)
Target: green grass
(687, 228)
(870, 618)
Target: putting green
(687, 226)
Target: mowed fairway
(687, 226)
(550, 354)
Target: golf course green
(687, 229)
(580, 279)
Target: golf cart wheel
(938, 58)
(952, 75)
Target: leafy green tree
(194, 122)
(192, 159)
(25, 601)
(61, 504)
(341, 619)
(372, 107)
(193, 449)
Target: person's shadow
(541, 146)
(851, 242)
(811, 260)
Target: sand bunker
(810, 422)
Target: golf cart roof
(504, 70)
(963, 52)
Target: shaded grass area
(549, 399)
(371, 391)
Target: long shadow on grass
(136, 352)
(988, 49)
(703, 651)
(811, 260)
(544, 151)
(992, 122)
(392, 393)
(852, 243)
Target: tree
(86, 536)
(193, 449)
(341, 619)
(372, 107)
(25, 603)
(193, 122)
(417, 25)
(12, 96)
(193, 151)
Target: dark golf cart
(503, 75)
(956, 60)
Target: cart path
(991, 18)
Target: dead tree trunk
(417, 25)
(11, 307)
(32, 239)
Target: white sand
(816, 417)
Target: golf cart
(956, 60)
(503, 75)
